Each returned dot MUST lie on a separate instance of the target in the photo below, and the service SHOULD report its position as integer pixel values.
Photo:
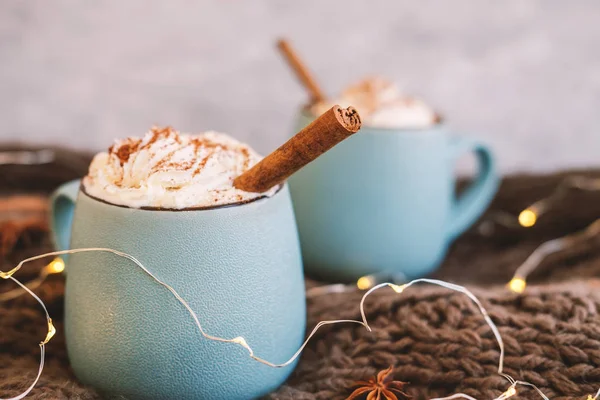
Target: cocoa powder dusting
(165, 164)
(211, 146)
(160, 133)
(208, 144)
(170, 166)
(246, 155)
(124, 151)
(201, 165)
(164, 161)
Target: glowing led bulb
(56, 266)
(510, 392)
(517, 284)
(365, 282)
(51, 331)
(6, 275)
(240, 340)
(397, 288)
(527, 218)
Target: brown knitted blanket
(435, 339)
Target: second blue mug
(383, 201)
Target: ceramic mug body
(238, 267)
(383, 201)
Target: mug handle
(474, 200)
(62, 206)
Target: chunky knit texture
(435, 339)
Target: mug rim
(439, 123)
(190, 209)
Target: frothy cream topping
(165, 169)
(381, 105)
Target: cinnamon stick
(319, 136)
(302, 73)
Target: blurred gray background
(522, 75)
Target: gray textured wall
(523, 75)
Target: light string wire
(239, 340)
(55, 267)
(518, 282)
(529, 216)
(49, 335)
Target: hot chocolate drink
(382, 105)
(233, 265)
(166, 169)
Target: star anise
(380, 388)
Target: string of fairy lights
(529, 217)
(371, 283)
(55, 267)
(241, 341)
(49, 335)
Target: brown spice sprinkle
(124, 151)
(246, 154)
(160, 133)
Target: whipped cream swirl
(381, 105)
(165, 169)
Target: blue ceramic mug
(383, 201)
(237, 266)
